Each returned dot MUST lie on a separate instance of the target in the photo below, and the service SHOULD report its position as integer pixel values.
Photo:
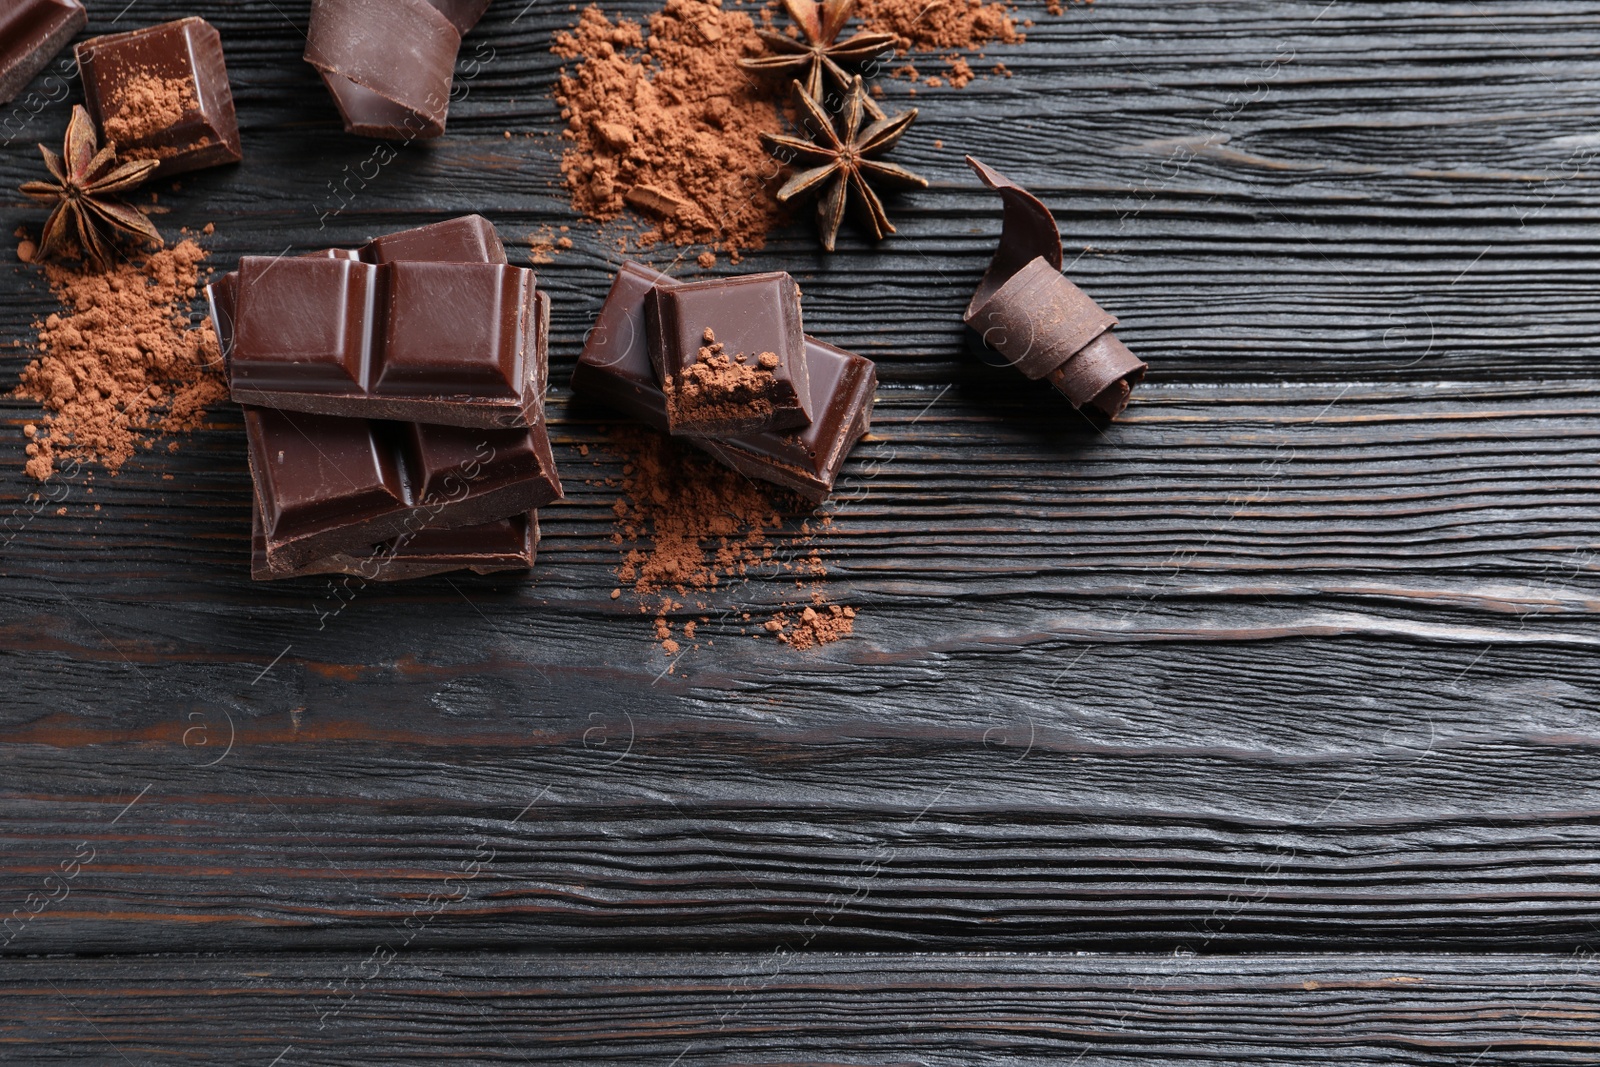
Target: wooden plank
(1298, 655)
(397, 1006)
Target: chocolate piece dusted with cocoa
(162, 93)
(389, 63)
(326, 485)
(615, 368)
(486, 548)
(461, 344)
(31, 33)
(1037, 320)
(730, 355)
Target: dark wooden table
(1262, 728)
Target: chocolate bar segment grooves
(326, 485)
(459, 344)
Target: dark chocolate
(32, 32)
(461, 344)
(615, 368)
(389, 63)
(188, 51)
(326, 485)
(730, 355)
(466, 239)
(487, 548)
(1038, 321)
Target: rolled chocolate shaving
(1038, 321)
(1027, 232)
(389, 63)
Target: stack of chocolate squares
(726, 364)
(394, 404)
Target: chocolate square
(730, 355)
(313, 471)
(455, 327)
(162, 93)
(31, 33)
(446, 460)
(303, 323)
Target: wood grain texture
(1299, 655)
(392, 1006)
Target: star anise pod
(819, 51)
(85, 177)
(841, 162)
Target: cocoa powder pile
(664, 120)
(661, 118)
(119, 365)
(692, 526)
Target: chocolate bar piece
(503, 545)
(467, 239)
(162, 93)
(1037, 320)
(326, 485)
(31, 33)
(461, 344)
(615, 368)
(730, 355)
(389, 63)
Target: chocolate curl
(1041, 323)
(389, 63)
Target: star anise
(842, 164)
(819, 51)
(85, 177)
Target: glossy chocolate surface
(389, 63)
(615, 368)
(748, 316)
(32, 32)
(485, 548)
(466, 239)
(461, 344)
(188, 50)
(326, 484)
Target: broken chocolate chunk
(389, 64)
(162, 93)
(615, 368)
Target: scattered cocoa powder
(691, 526)
(147, 104)
(119, 364)
(664, 119)
(661, 117)
(925, 26)
(819, 625)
